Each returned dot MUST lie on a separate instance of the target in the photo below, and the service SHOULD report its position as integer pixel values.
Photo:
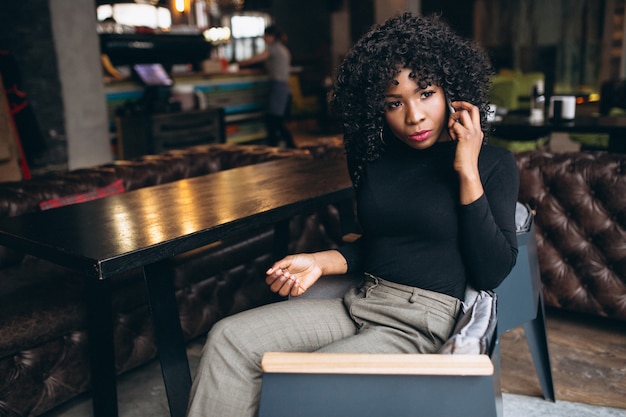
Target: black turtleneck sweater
(415, 231)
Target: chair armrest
(359, 363)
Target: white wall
(80, 73)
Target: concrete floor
(141, 394)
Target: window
(247, 26)
(246, 30)
(133, 14)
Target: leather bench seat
(580, 203)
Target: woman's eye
(426, 94)
(390, 105)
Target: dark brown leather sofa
(580, 203)
(43, 342)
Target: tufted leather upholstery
(580, 204)
(43, 342)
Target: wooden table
(145, 227)
(518, 127)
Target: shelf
(232, 118)
(248, 137)
(144, 134)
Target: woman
(436, 205)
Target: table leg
(169, 337)
(617, 143)
(101, 350)
(281, 239)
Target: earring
(382, 136)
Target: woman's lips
(420, 136)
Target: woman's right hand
(465, 128)
(293, 274)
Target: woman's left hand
(465, 128)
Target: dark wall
(307, 25)
(258, 5)
(361, 18)
(458, 14)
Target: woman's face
(418, 117)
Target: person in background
(277, 60)
(436, 205)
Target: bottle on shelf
(537, 102)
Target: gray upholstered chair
(466, 383)
(461, 380)
(520, 301)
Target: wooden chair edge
(387, 364)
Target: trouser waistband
(402, 289)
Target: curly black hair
(426, 45)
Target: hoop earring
(382, 136)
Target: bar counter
(241, 94)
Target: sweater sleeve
(353, 253)
(487, 226)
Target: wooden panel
(390, 364)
